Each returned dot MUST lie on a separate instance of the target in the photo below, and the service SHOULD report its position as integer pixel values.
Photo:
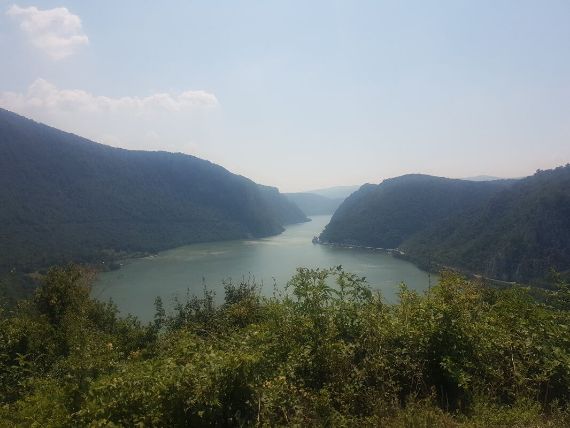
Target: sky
(299, 94)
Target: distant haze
(302, 95)
(482, 178)
(335, 192)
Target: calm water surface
(174, 272)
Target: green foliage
(328, 353)
(15, 286)
(54, 344)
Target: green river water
(134, 287)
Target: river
(134, 287)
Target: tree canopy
(328, 352)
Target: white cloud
(162, 121)
(57, 31)
(44, 95)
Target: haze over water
(174, 272)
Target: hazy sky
(302, 94)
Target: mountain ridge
(511, 230)
(68, 198)
(334, 192)
(380, 215)
(313, 203)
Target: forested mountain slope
(387, 214)
(283, 208)
(514, 230)
(63, 198)
(520, 234)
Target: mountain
(337, 192)
(281, 206)
(65, 198)
(387, 214)
(314, 204)
(518, 235)
(512, 230)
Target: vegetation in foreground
(462, 354)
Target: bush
(329, 352)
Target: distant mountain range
(513, 230)
(321, 201)
(314, 204)
(336, 192)
(482, 178)
(65, 198)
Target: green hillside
(520, 234)
(66, 198)
(387, 214)
(513, 230)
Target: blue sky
(302, 94)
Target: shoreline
(396, 251)
(434, 269)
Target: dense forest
(66, 198)
(387, 214)
(520, 234)
(514, 230)
(314, 204)
(329, 352)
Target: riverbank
(431, 267)
(316, 240)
